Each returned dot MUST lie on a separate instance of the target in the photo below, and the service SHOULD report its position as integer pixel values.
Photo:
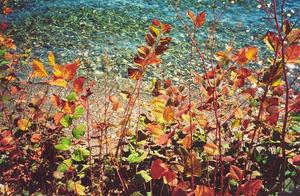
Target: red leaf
(165, 138)
(161, 48)
(71, 69)
(156, 22)
(202, 190)
(292, 53)
(78, 84)
(272, 41)
(236, 173)
(295, 106)
(295, 160)
(3, 26)
(134, 73)
(181, 189)
(158, 169)
(171, 177)
(166, 28)
(200, 20)
(250, 188)
(6, 10)
(150, 39)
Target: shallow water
(89, 28)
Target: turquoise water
(89, 28)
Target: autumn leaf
(35, 138)
(58, 82)
(78, 84)
(236, 173)
(156, 130)
(24, 124)
(168, 114)
(191, 15)
(70, 69)
(292, 53)
(158, 169)
(202, 190)
(200, 20)
(38, 69)
(115, 102)
(51, 58)
(170, 178)
(156, 22)
(134, 73)
(211, 149)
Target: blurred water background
(87, 29)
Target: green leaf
(64, 166)
(76, 187)
(80, 154)
(64, 144)
(137, 193)
(79, 131)
(144, 174)
(72, 96)
(79, 110)
(135, 158)
(2, 52)
(66, 121)
(296, 128)
(4, 62)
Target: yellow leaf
(168, 114)
(251, 53)
(211, 149)
(156, 130)
(58, 70)
(51, 58)
(24, 124)
(58, 82)
(38, 69)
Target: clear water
(88, 28)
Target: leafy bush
(229, 130)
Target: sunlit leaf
(79, 111)
(76, 187)
(191, 15)
(211, 149)
(202, 190)
(58, 82)
(145, 175)
(79, 131)
(64, 144)
(51, 58)
(38, 69)
(136, 158)
(200, 20)
(156, 130)
(80, 154)
(35, 138)
(168, 114)
(24, 124)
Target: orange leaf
(35, 138)
(211, 149)
(24, 124)
(115, 102)
(168, 114)
(202, 190)
(156, 130)
(38, 69)
(191, 15)
(187, 141)
(200, 20)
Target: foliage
(229, 130)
